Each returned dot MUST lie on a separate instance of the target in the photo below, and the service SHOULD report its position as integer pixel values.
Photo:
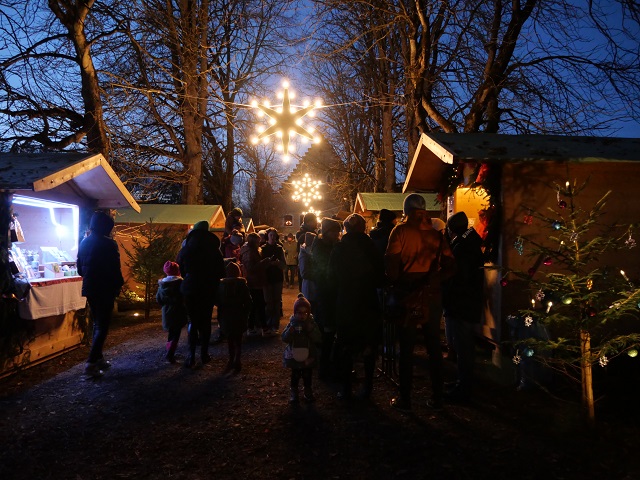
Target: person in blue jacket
(99, 265)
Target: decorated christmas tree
(581, 296)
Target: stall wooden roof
(173, 214)
(374, 202)
(59, 174)
(437, 149)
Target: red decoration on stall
(483, 172)
(528, 219)
(548, 261)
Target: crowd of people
(344, 275)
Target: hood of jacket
(101, 224)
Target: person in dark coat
(253, 268)
(273, 254)
(357, 270)
(234, 306)
(174, 311)
(380, 233)
(99, 265)
(324, 306)
(462, 301)
(202, 267)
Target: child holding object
(303, 339)
(174, 312)
(234, 306)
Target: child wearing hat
(303, 339)
(174, 312)
(234, 307)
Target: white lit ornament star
(285, 120)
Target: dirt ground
(148, 419)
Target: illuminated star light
(286, 121)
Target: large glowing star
(285, 121)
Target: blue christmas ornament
(557, 225)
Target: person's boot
(190, 361)
(293, 396)
(171, 352)
(205, 357)
(92, 370)
(308, 395)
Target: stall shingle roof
(437, 149)
(84, 175)
(374, 202)
(173, 214)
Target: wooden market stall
(369, 205)
(175, 220)
(522, 170)
(52, 197)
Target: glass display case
(48, 242)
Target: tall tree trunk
(587, 378)
(73, 15)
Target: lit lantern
(633, 353)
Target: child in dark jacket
(303, 338)
(234, 306)
(174, 312)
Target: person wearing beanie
(174, 312)
(99, 266)
(412, 202)
(201, 267)
(303, 339)
(417, 259)
(380, 233)
(234, 307)
(234, 222)
(330, 225)
(356, 272)
(201, 225)
(462, 301)
(355, 223)
(323, 305)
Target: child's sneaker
(170, 357)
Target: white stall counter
(49, 297)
